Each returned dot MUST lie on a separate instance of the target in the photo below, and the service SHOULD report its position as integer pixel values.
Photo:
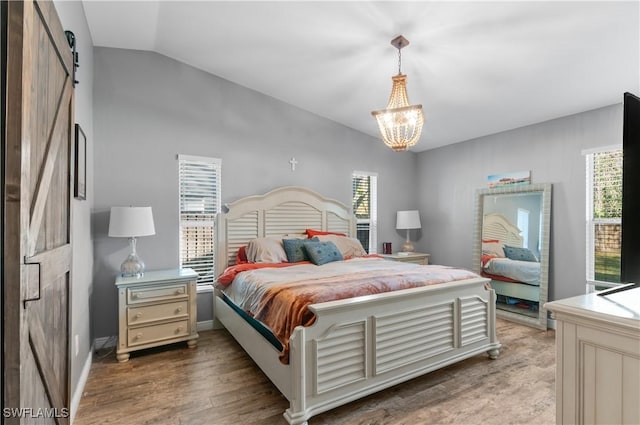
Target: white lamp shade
(131, 222)
(408, 220)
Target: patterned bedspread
(279, 297)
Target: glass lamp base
(132, 266)
(407, 247)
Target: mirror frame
(539, 322)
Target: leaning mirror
(511, 247)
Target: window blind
(604, 217)
(199, 202)
(364, 186)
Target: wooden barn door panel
(38, 203)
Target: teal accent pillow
(520, 254)
(294, 248)
(322, 252)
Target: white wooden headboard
(497, 226)
(286, 210)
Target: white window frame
(372, 221)
(592, 222)
(184, 162)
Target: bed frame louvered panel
(497, 226)
(356, 346)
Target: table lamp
(407, 220)
(131, 222)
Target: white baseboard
(551, 323)
(77, 394)
(205, 325)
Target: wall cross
(293, 163)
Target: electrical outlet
(77, 344)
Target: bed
(355, 346)
(513, 279)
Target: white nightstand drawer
(154, 293)
(155, 333)
(153, 313)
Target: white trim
(204, 288)
(602, 149)
(205, 325)
(206, 159)
(364, 173)
(77, 394)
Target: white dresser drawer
(155, 333)
(153, 313)
(156, 293)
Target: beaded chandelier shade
(400, 124)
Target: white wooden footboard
(359, 346)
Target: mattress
(521, 271)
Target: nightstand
(414, 257)
(156, 309)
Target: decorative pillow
(266, 250)
(322, 252)
(492, 247)
(349, 247)
(521, 254)
(311, 233)
(241, 256)
(295, 250)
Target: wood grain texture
(218, 384)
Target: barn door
(37, 200)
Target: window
(604, 217)
(523, 225)
(365, 190)
(199, 192)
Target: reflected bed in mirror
(511, 247)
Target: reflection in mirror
(511, 247)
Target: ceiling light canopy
(400, 124)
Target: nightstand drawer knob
(139, 315)
(180, 291)
(179, 310)
(138, 336)
(134, 295)
(179, 329)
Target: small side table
(414, 257)
(156, 309)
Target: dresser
(156, 309)
(598, 358)
(414, 257)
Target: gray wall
(148, 108)
(72, 18)
(449, 176)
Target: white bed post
(296, 414)
(493, 337)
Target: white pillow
(266, 250)
(493, 247)
(349, 247)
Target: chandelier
(400, 124)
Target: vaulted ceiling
(477, 67)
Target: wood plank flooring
(218, 384)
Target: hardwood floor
(218, 384)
